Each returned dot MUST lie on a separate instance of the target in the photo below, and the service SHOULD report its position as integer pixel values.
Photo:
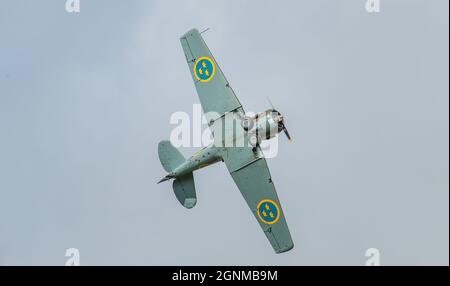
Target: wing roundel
(213, 89)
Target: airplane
(245, 162)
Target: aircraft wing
(249, 171)
(252, 176)
(213, 89)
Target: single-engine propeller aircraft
(245, 162)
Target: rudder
(183, 187)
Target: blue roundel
(204, 69)
(268, 212)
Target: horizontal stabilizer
(184, 190)
(169, 156)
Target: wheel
(247, 123)
(254, 139)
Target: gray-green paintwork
(216, 96)
(184, 190)
(247, 167)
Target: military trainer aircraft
(245, 162)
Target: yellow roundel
(268, 211)
(204, 69)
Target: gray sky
(85, 99)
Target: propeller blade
(270, 102)
(283, 126)
(287, 135)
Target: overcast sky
(85, 98)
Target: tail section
(169, 156)
(184, 190)
(183, 187)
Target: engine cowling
(266, 126)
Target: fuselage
(264, 126)
(200, 159)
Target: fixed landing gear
(254, 140)
(247, 122)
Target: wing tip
(285, 249)
(190, 32)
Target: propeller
(270, 102)
(281, 123)
(287, 133)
